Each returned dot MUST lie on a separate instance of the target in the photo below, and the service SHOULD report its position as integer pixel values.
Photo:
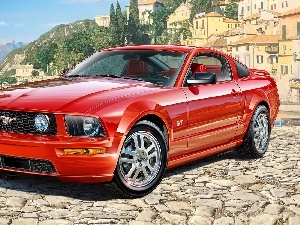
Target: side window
(215, 63)
(241, 70)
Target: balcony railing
(295, 83)
(272, 49)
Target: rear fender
(258, 97)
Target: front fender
(125, 120)
(136, 111)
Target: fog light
(84, 151)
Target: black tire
(257, 137)
(8, 174)
(141, 168)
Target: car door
(213, 109)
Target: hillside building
(102, 20)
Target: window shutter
(284, 32)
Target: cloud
(81, 1)
(3, 23)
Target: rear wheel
(142, 161)
(258, 135)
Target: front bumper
(16, 149)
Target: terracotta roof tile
(227, 20)
(258, 39)
(252, 17)
(213, 14)
(220, 42)
(291, 12)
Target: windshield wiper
(132, 78)
(108, 75)
(76, 75)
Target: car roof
(176, 48)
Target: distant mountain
(6, 48)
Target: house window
(274, 6)
(272, 59)
(228, 25)
(242, 11)
(254, 6)
(236, 48)
(271, 7)
(284, 69)
(196, 24)
(248, 8)
(284, 47)
(202, 25)
(282, 4)
(283, 32)
(259, 59)
(247, 47)
(286, 4)
(262, 5)
(235, 25)
(298, 28)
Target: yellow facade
(182, 13)
(258, 51)
(288, 64)
(206, 25)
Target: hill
(58, 48)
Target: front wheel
(258, 135)
(142, 161)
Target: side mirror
(202, 78)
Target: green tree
(199, 6)
(231, 10)
(159, 24)
(8, 80)
(113, 29)
(35, 73)
(134, 34)
(121, 25)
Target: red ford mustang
(126, 114)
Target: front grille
(23, 122)
(32, 165)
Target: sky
(25, 20)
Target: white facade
(26, 71)
(248, 8)
(145, 8)
(102, 20)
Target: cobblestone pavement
(219, 190)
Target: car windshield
(157, 67)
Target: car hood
(69, 95)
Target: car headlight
(84, 126)
(41, 123)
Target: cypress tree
(121, 24)
(113, 30)
(133, 28)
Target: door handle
(234, 92)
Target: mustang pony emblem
(6, 120)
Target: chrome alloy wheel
(140, 159)
(261, 132)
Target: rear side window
(242, 70)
